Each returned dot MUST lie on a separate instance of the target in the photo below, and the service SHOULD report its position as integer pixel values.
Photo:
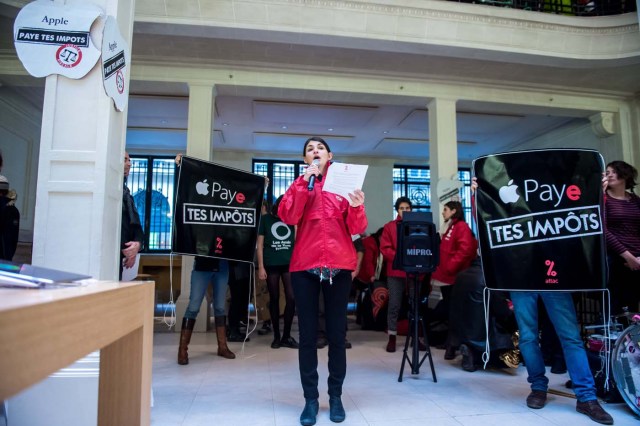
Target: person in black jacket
(467, 321)
(9, 221)
(131, 235)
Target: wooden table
(42, 331)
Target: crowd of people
(317, 288)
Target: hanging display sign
(448, 189)
(539, 216)
(115, 60)
(217, 211)
(55, 39)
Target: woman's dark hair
(376, 235)
(274, 209)
(315, 139)
(401, 200)
(625, 171)
(457, 206)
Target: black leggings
(306, 288)
(274, 274)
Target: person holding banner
(561, 310)
(206, 270)
(275, 245)
(622, 214)
(322, 260)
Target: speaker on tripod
(418, 252)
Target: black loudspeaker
(418, 249)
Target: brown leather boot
(185, 338)
(221, 333)
(391, 344)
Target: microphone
(312, 179)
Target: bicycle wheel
(625, 361)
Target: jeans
(306, 288)
(200, 281)
(562, 314)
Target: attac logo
(551, 273)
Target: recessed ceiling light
(284, 127)
(386, 132)
(163, 121)
(330, 129)
(225, 124)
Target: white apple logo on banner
(509, 193)
(202, 188)
(55, 39)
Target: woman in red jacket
(458, 248)
(323, 259)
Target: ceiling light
(163, 121)
(284, 127)
(330, 129)
(386, 132)
(225, 124)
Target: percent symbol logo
(550, 271)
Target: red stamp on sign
(120, 81)
(69, 55)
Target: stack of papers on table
(29, 276)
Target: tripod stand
(416, 321)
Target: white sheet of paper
(129, 274)
(344, 178)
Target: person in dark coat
(9, 221)
(131, 234)
(467, 321)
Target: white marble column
(80, 173)
(77, 215)
(199, 141)
(629, 128)
(443, 148)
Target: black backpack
(373, 305)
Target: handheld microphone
(312, 179)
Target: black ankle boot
(235, 335)
(450, 353)
(336, 410)
(308, 416)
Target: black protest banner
(539, 217)
(217, 211)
